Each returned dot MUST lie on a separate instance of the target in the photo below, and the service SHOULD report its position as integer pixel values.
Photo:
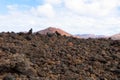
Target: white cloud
(12, 7)
(92, 8)
(54, 2)
(45, 10)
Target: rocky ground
(26, 56)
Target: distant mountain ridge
(90, 36)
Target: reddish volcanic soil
(27, 56)
(53, 30)
(116, 37)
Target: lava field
(32, 56)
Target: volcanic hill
(116, 37)
(52, 30)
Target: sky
(100, 17)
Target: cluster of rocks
(27, 56)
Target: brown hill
(53, 30)
(116, 37)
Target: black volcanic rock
(26, 56)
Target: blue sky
(74, 16)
